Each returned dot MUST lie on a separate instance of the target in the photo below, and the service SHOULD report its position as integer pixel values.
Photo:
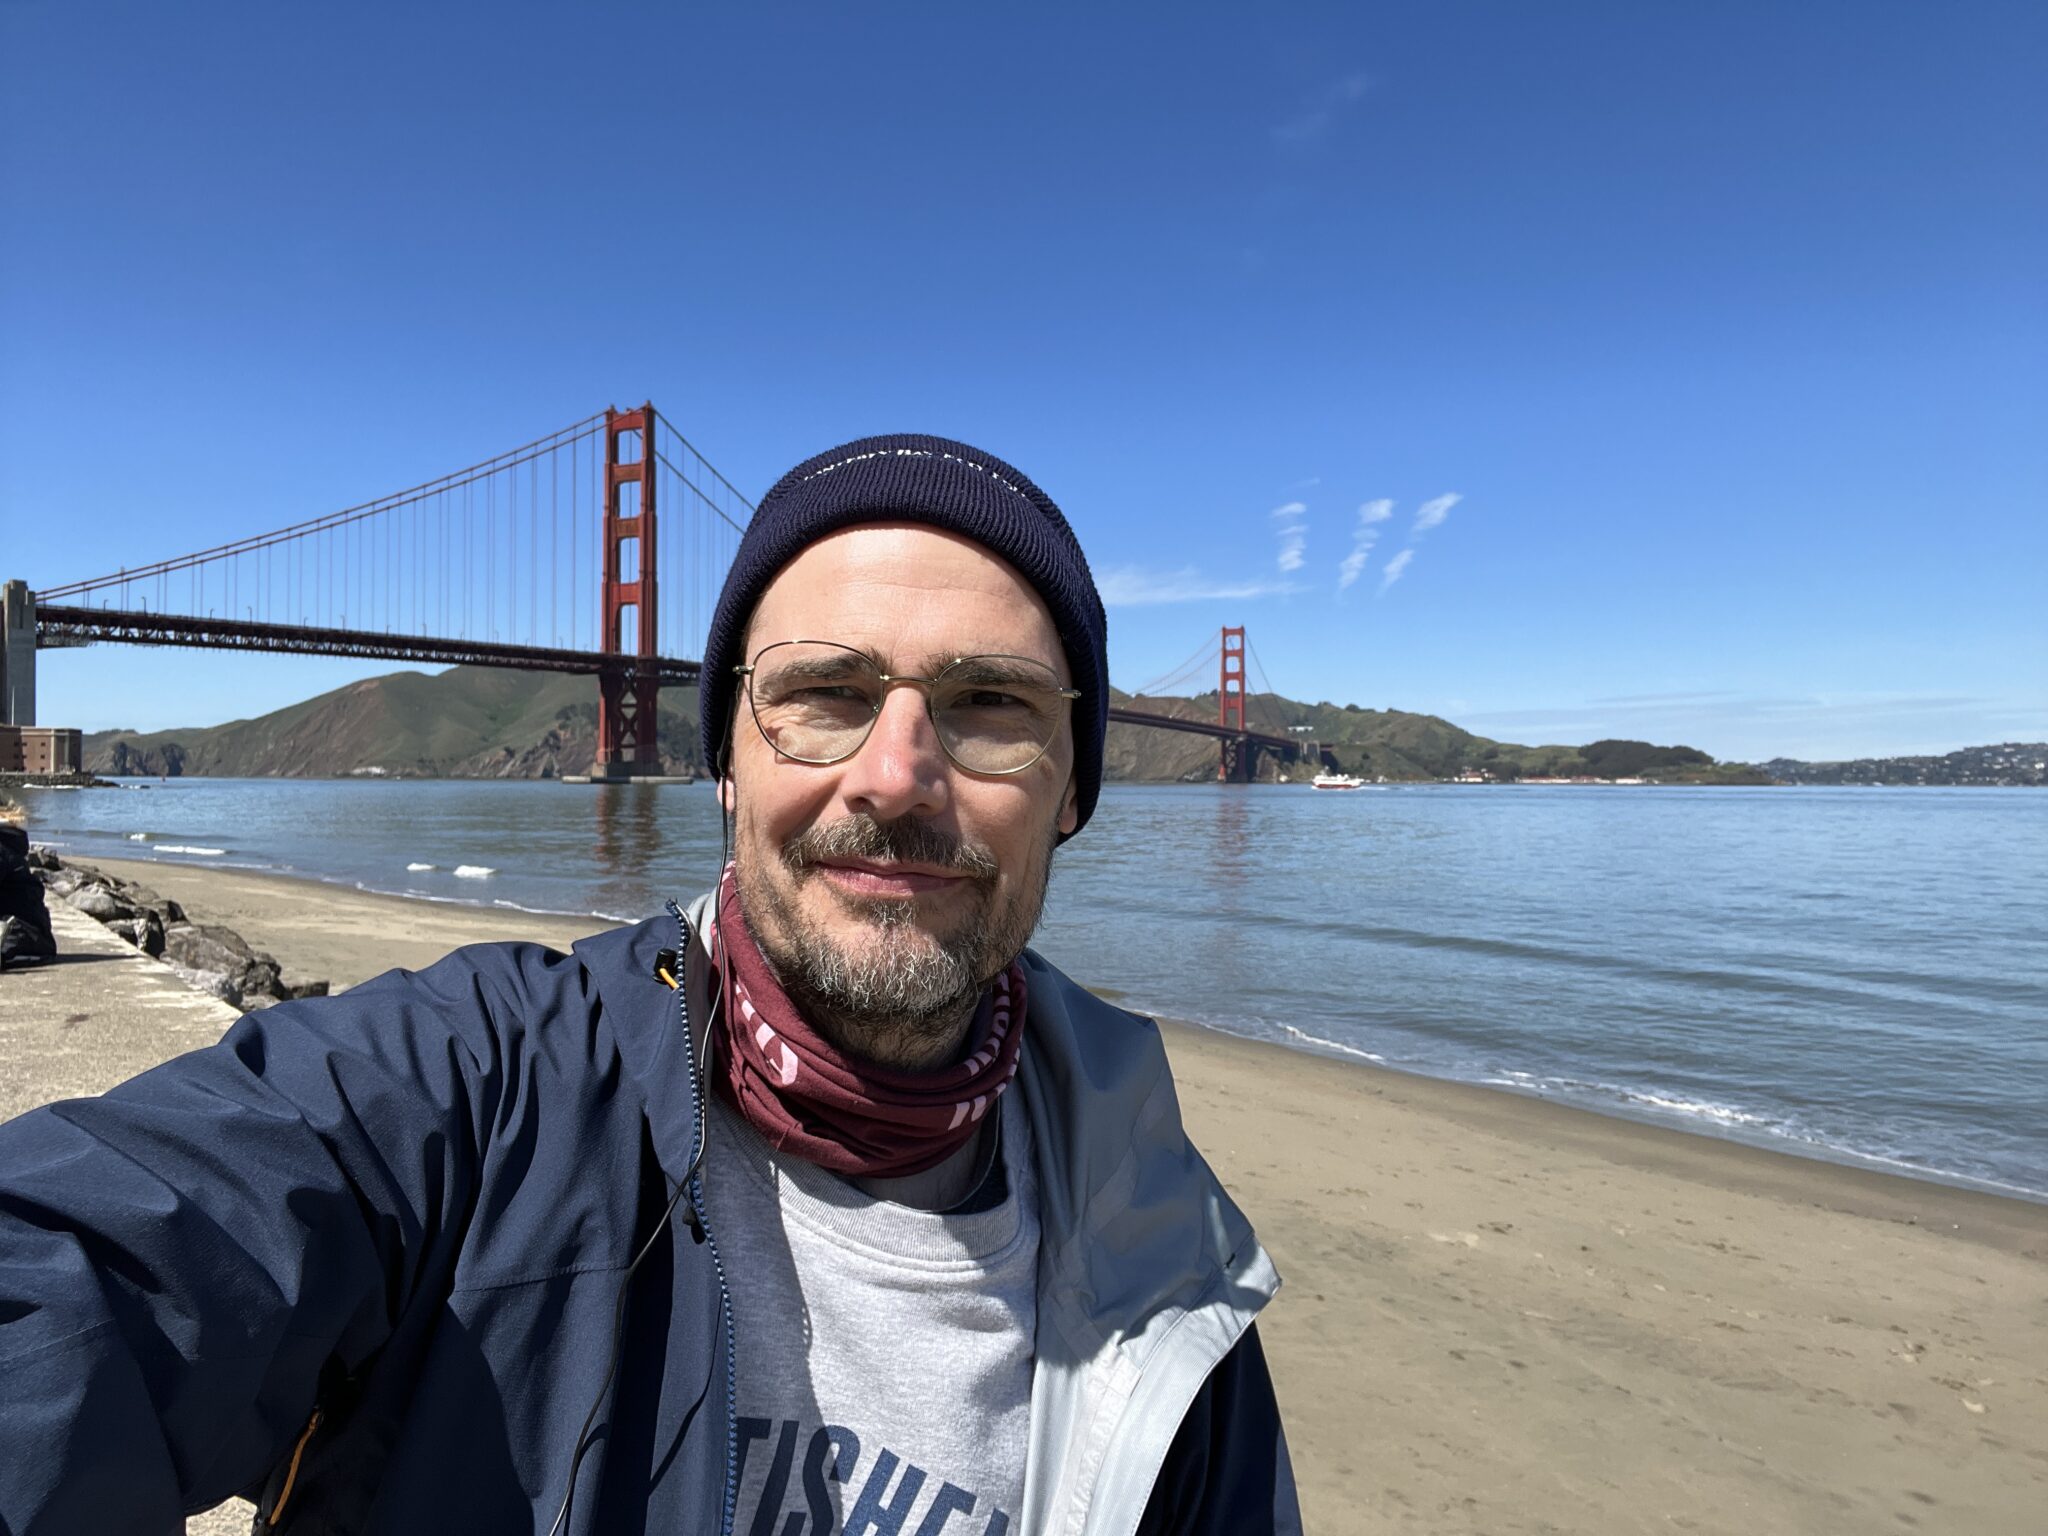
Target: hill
(1395, 744)
(2009, 763)
(467, 722)
(484, 722)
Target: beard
(889, 989)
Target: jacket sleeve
(1227, 1472)
(184, 1259)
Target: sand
(1503, 1315)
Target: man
(24, 920)
(822, 1206)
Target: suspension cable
(332, 520)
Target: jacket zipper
(729, 1502)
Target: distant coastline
(488, 723)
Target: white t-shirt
(883, 1352)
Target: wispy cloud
(1291, 524)
(1432, 513)
(1323, 111)
(1427, 516)
(1664, 698)
(1131, 586)
(1370, 516)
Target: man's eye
(827, 693)
(992, 698)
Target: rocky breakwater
(214, 959)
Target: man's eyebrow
(819, 664)
(988, 667)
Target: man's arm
(182, 1258)
(1227, 1472)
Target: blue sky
(1697, 356)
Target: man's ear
(1070, 808)
(726, 797)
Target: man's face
(887, 889)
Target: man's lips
(865, 877)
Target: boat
(1337, 781)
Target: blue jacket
(363, 1261)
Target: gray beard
(899, 997)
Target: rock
(309, 989)
(100, 902)
(206, 947)
(62, 882)
(261, 979)
(145, 898)
(145, 930)
(211, 982)
(40, 857)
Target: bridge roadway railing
(57, 625)
(1209, 728)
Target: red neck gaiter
(805, 1096)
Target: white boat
(1336, 781)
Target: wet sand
(1503, 1315)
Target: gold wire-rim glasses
(943, 726)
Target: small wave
(474, 871)
(1721, 1114)
(416, 867)
(202, 853)
(1331, 1045)
(1639, 1099)
(138, 837)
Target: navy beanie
(908, 478)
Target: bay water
(1858, 974)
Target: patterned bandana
(805, 1096)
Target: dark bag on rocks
(24, 919)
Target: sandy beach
(1503, 1315)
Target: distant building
(40, 749)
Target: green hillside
(468, 722)
(486, 722)
(1393, 744)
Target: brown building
(39, 749)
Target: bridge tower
(1235, 760)
(627, 693)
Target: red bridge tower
(1234, 765)
(627, 692)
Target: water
(1853, 973)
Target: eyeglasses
(816, 702)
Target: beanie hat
(908, 478)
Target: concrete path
(99, 1013)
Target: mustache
(908, 840)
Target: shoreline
(1502, 1313)
(560, 929)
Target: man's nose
(900, 769)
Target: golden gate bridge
(596, 550)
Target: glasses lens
(814, 702)
(996, 714)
